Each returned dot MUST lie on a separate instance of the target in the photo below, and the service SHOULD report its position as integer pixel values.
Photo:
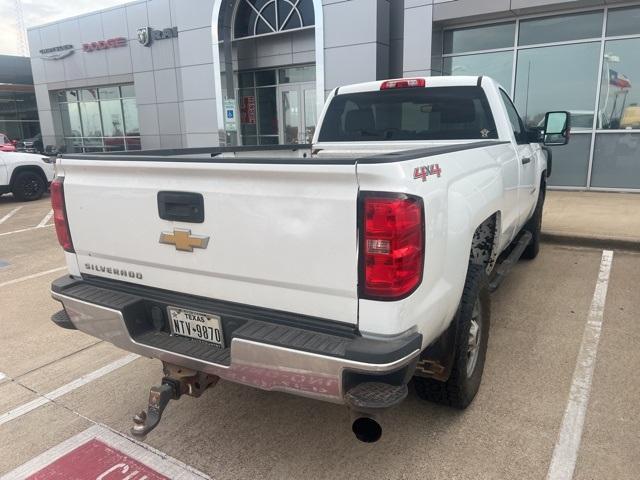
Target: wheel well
(27, 168)
(484, 245)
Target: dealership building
(192, 73)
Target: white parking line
(44, 221)
(565, 453)
(24, 230)
(9, 215)
(29, 277)
(63, 390)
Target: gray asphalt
(235, 432)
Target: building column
(356, 41)
(418, 30)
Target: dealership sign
(56, 53)
(146, 35)
(104, 44)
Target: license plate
(198, 325)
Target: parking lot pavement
(511, 430)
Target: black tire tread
(16, 184)
(458, 391)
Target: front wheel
(472, 336)
(28, 186)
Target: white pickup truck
(339, 270)
(26, 175)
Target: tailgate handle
(181, 206)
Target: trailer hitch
(177, 381)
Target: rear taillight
(391, 245)
(60, 214)
(403, 83)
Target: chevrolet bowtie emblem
(183, 240)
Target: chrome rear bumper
(257, 364)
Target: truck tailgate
(280, 236)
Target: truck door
(526, 162)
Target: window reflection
(498, 65)
(623, 21)
(619, 93)
(479, 38)
(561, 28)
(616, 162)
(557, 78)
(99, 119)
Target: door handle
(181, 206)
(526, 160)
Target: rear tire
(534, 226)
(472, 336)
(28, 186)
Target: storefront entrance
(277, 106)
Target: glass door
(298, 113)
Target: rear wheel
(28, 186)
(472, 335)
(534, 226)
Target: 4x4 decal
(424, 171)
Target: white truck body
(284, 237)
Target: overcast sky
(37, 12)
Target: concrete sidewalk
(592, 219)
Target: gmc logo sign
(104, 44)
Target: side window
(514, 118)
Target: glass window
(546, 80)
(616, 163)
(245, 79)
(26, 106)
(619, 100)
(108, 93)
(297, 74)
(101, 120)
(267, 111)
(309, 113)
(479, 38)
(7, 106)
(561, 28)
(265, 78)
(71, 125)
(443, 113)
(259, 17)
(70, 96)
(91, 124)
(623, 21)
(130, 111)
(112, 120)
(89, 94)
(128, 91)
(514, 117)
(571, 162)
(498, 65)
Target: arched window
(260, 17)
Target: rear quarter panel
(468, 191)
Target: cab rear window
(438, 113)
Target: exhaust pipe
(365, 427)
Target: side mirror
(557, 128)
